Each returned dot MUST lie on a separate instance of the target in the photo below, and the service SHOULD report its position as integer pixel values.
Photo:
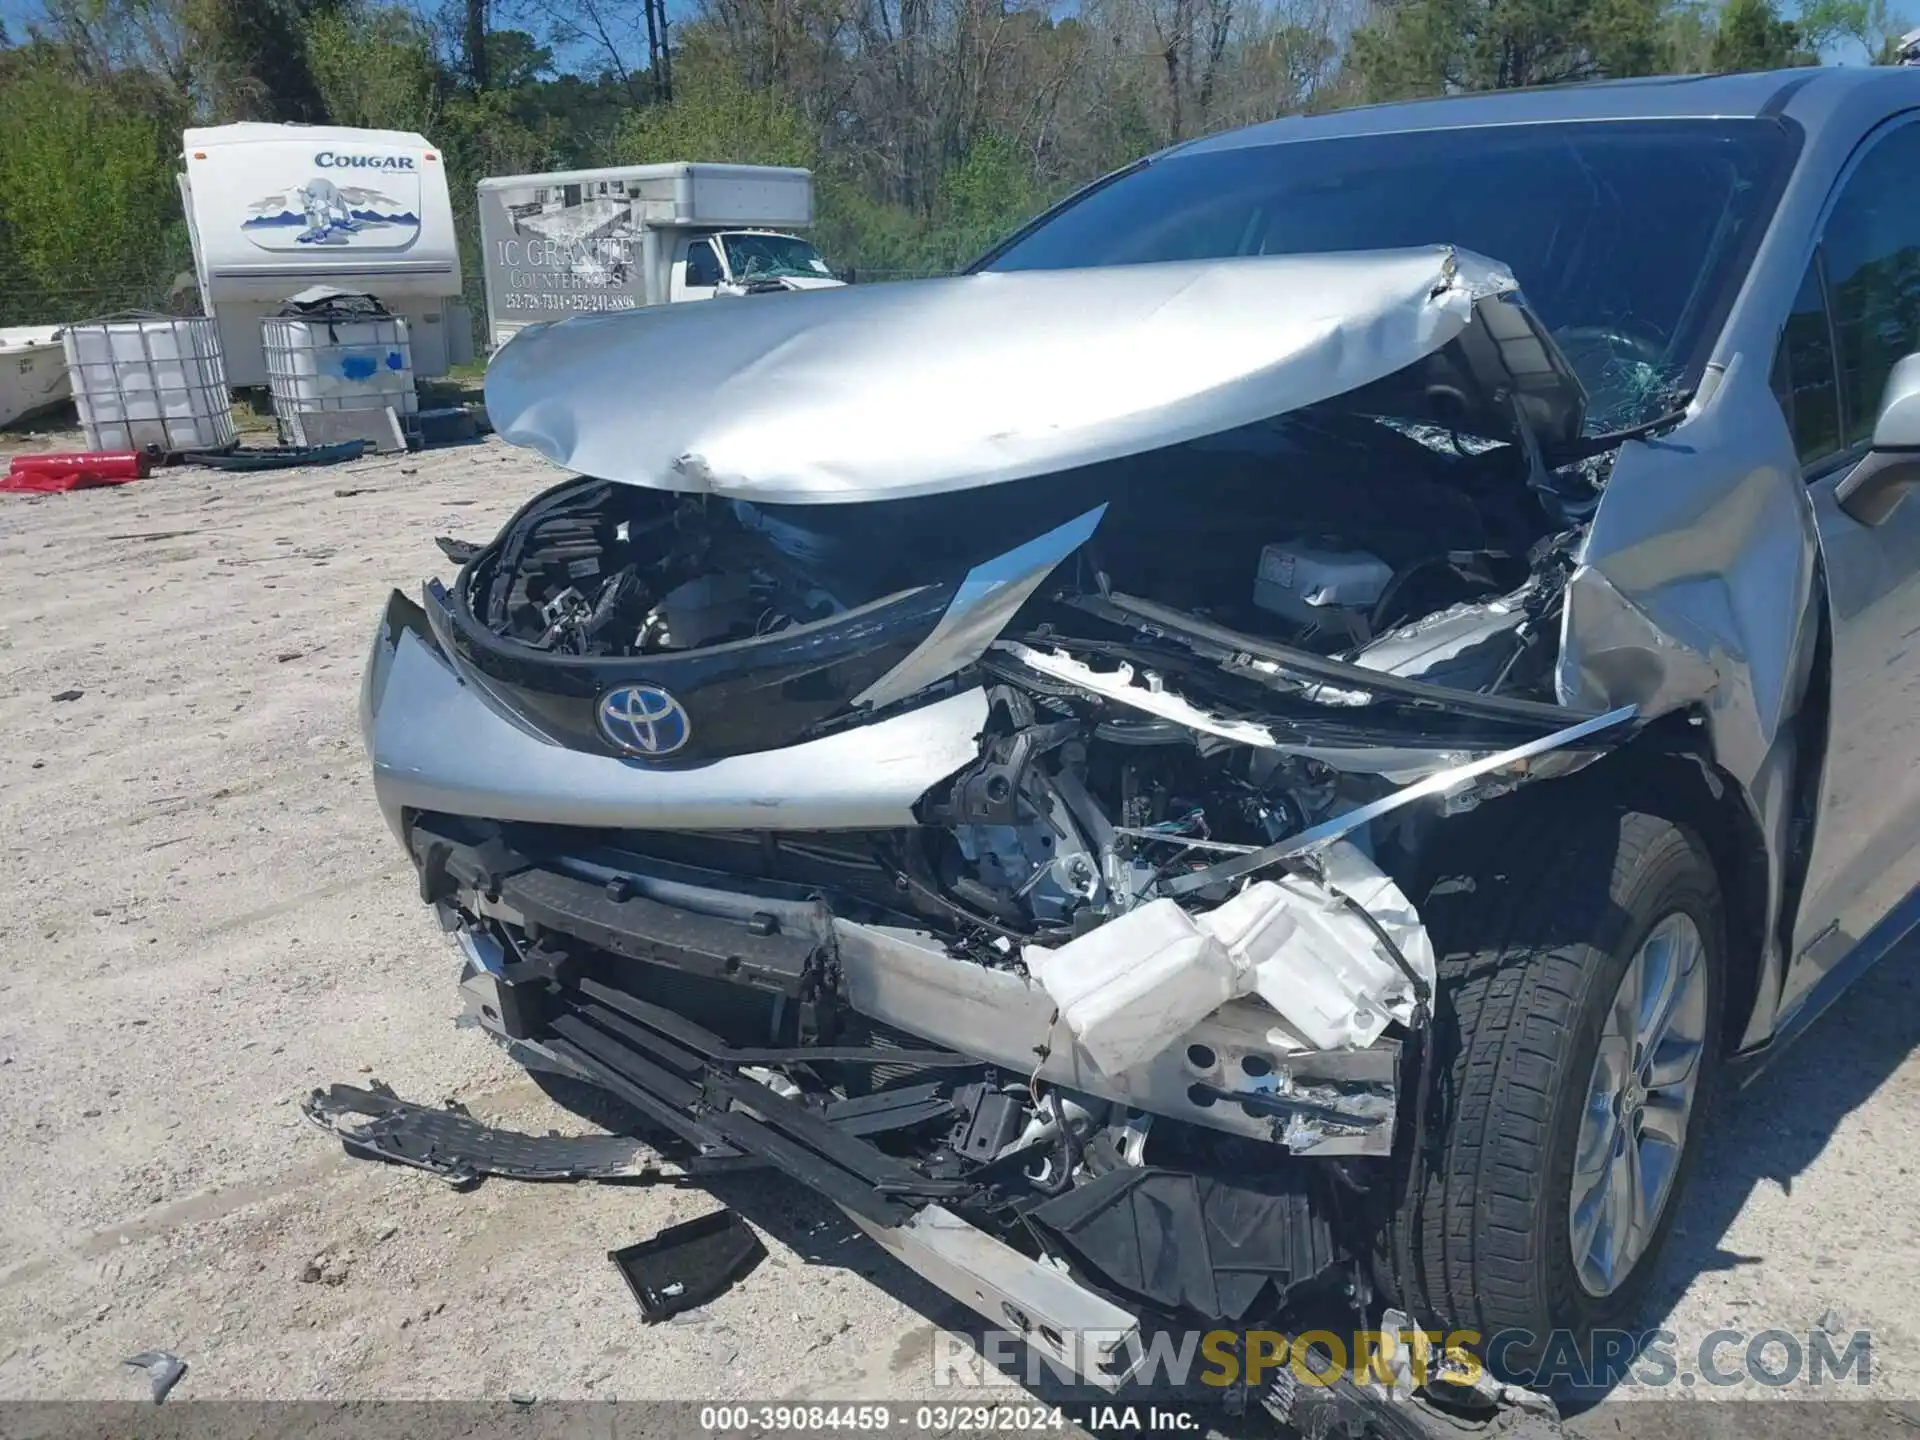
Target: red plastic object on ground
(49, 471)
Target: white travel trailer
(33, 371)
(574, 241)
(276, 209)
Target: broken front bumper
(440, 742)
(711, 1095)
(443, 755)
(440, 748)
(1227, 1075)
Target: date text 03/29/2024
(942, 1419)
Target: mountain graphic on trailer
(369, 217)
(321, 212)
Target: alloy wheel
(1633, 1127)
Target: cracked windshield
(772, 257)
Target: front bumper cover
(1226, 1075)
(441, 741)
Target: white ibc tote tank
(141, 380)
(334, 351)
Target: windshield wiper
(1588, 445)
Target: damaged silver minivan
(1223, 762)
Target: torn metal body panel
(987, 599)
(1084, 1332)
(1696, 591)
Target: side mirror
(1892, 467)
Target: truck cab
(745, 262)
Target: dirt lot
(205, 917)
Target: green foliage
(984, 196)
(515, 60)
(1752, 36)
(1624, 37)
(1434, 47)
(1869, 23)
(1686, 37)
(375, 68)
(252, 56)
(89, 214)
(715, 115)
(875, 238)
(490, 133)
(990, 187)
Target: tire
(1535, 920)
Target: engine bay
(1400, 548)
(1130, 744)
(1244, 639)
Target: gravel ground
(206, 917)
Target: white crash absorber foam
(1136, 985)
(1319, 964)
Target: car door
(1856, 315)
(702, 273)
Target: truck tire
(1539, 924)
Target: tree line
(933, 126)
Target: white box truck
(276, 209)
(614, 239)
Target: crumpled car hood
(886, 391)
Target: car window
(1872, 245)
(1804, 377)
(703, 266)
(1628, 237)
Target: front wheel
(1576, 1028)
